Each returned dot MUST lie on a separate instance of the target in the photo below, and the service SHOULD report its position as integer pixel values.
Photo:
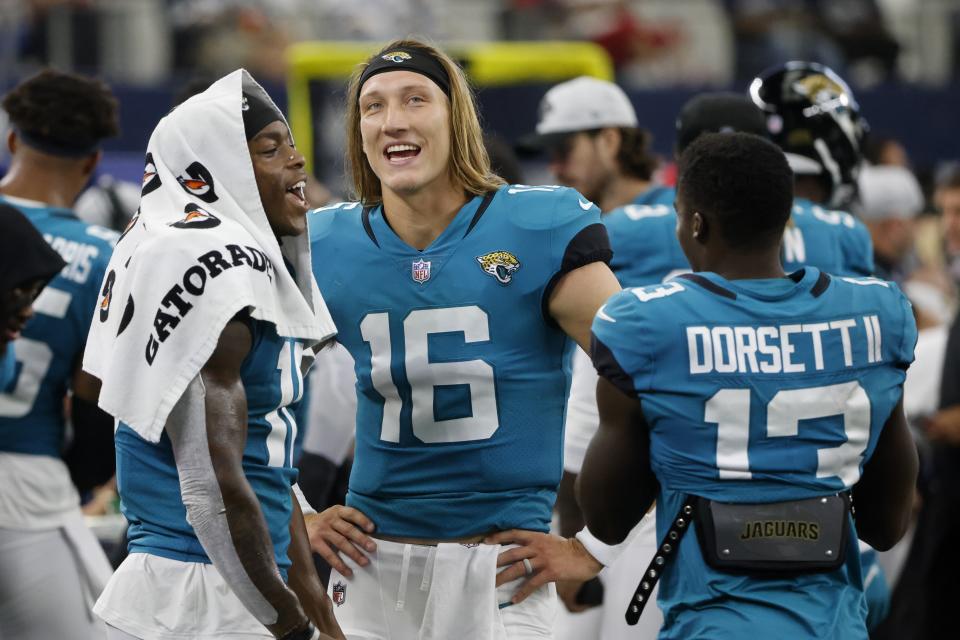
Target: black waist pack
(779, 538)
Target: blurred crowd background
(902, 57)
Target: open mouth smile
(401, 153)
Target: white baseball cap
(581, 104)
(889, 192)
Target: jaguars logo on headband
(396, 56)
(196, 218)
(198, 182)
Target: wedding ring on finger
(527, 567)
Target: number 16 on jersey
(425, 376)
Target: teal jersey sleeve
(576, 235)
(832, 241)
(573, 217)
(623, 341)
(896, 328)
(858, 251)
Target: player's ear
(12, 141)
(699, 227)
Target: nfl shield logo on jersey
(420, 270)
(339, 593)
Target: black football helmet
(813, 116)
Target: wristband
(305, 507)
(308, 632)
(602, 552)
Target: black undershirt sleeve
(90, 457)
(590, 244)
(608, 367)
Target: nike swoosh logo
(603, 315)
(585, 205)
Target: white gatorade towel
(199, 250)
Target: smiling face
(405, 130)
(281, 179)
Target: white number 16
(424, 376)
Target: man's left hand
(550, 558)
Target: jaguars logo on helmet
(820, 89)
(499, 264)
(813, 116)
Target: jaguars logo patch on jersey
(499, 264)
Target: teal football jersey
(643, 236)
(147, 477)
(462, 376)
(52, 342)
(646, 251)
(832, 241)
(758, 391)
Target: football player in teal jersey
(217, 545)
(58, 121)
(460, 299)
(642, 233)
(749, 404)
(814, 117)
(646, 249)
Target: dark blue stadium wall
(926, 121)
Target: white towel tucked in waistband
(199, 251)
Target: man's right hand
(341, 529)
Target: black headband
(45, 144)
(257, 113)
(407, 59)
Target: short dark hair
(948, 177)
(64, 110)
(635, 157)
(740, 180)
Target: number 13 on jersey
(424, 376)
(729, 409)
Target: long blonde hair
(469, 162)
